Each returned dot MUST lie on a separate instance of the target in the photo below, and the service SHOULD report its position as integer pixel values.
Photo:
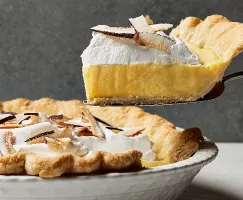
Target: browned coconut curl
(124, 32)
(54, 144)
(161, 42)
(6, 117)
(59, 118)
(56, 117)
(32, 113)
(130, 132)
(108, 125)
(83, 125)
(82, 131)
(145, 24)
(39, 137)
(6, 143)
(95, 128)
(21, 117)
(66, 145)
(77, 122)
(140, 25)
(146, 35)
(148, 20)
(161, 27)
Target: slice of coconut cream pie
(141, 64)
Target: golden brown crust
(12, 164)
(143, 101)
(170, 144)
(215, 32)
(50, 167)
(46, 105)
(87, 165)
(127, 160)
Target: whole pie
(50, 138)
(141, 64)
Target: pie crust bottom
(139, 100)
(50, 167)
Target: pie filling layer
(150, 81)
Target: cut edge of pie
(169, 144)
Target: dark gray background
(41, 41)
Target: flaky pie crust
(215, 32)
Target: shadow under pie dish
(51, 138)
(142, 65)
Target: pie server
(217, 91)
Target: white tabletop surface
(222, 179)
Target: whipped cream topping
(42, 149)
(118, 143)
(105, 49)
(45, 138)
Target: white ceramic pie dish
(163, 182)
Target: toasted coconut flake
(130, 132)
(102, 121)
(33, 120)
(65, 141)
(108, 126)
(56, 117)
(9, 126)
(115, 31)
(146, 35)
(161, 42)
(161, 27)
(54, 144)
(66, 145)
(64, 131)
(114, 129)
(96, 130)
(6, 143)
(26, 132)
(77, 121)
(140, 25)
(82, 131)
(43, 118)
(6, 117)
(73, 147)
(21, 117)
(148, 20)
(39, 137)
(59, 120)
(32, 113)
